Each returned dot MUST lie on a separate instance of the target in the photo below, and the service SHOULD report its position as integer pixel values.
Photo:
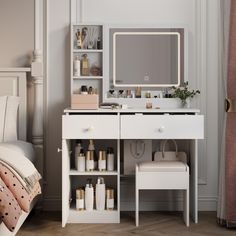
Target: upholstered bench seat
(163, 166)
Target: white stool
(172, 172)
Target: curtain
(226, 211)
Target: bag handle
(164, 145)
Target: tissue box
(81, 101)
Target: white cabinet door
(162, 126)
(90, 126)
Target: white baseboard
(206, 203)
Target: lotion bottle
(89, 196)
(100, 194)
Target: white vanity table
(118, 125)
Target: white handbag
(163, 155)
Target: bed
(19, 177)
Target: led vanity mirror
(146, 59)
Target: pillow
(10, 211)
(8, 118)
(18, 190)
(24, 148)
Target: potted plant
(184, 94)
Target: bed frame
(27, 83)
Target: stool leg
(186, 207)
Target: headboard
(13, 81)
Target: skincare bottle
(100, 194)
(110, 159)
(84, 90)
(110, 199)
(138, 92)
(78, 148)
(80, 161)
(102, 161)
(89, 161)
(77, 66)
(99, 44)
(89, 195)
(79, 199)
(91, 147)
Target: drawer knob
(161, 129)
(90, 128)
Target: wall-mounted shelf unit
(91, 45)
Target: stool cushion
(163, 166)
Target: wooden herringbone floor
(151, 223)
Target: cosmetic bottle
(110, 199)
(84, 90)
(79, 199)
(91, 147)
(99, 43)
(102, 161)
(89, 161)
(100, 194)
(78, 148)
(110, 159)
(138, 92)
(89, 195)
(77, 66)
(80, 161)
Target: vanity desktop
(115, 127)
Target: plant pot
(186, 103)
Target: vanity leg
(136, 200)
(194, 179)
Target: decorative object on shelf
(80, 161)
(138, 92)
(110, 159)
(78, 147)
(100, 194)
(102, 161)
(77, 66)
(85, 65)
(110, 199)
(95, 70)
(89, 161)
(84, 37)
(148, 105)
(184, 94)
(78, 39)
(92, 32)
(89, 195)
(80, 199)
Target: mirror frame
(144, 33)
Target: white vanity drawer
(141, 126)
(90, 126)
